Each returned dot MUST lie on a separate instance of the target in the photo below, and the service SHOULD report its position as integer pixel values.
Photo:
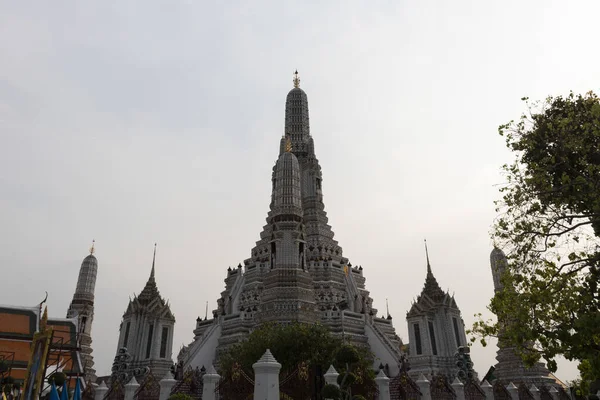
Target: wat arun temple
(297, 272)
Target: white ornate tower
(147, 329)
(82, 307)
(435, 329)
(296, 271)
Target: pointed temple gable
(436, 330)
(146, 331)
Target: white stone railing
(197, 345)
(386, 341)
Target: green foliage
(331, 392)
(290, 345)
(180, 396)
(549, 226)
(297, 343)
(347, 354)
(358, 397)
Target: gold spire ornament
(92, 249)
(288, 145)
(296, 79)
(44, 320)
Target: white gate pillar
(209, 384)
(266, 377)
(513, 390)
(459, 389)
(424, 387)
(101, 391)
(166, 385)
(383, 384)
(131, 388)
(488, 390)
(331, 376)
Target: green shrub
(180, 396)
(331, 392)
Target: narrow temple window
(126, 338)
(432, 336)
(418, 338)
(455, 322)
(149, 345)
(163, 342)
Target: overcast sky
(134, 122)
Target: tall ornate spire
(82, 308)
(150, 291)
(427, 256)
(431, 288)
(297, 126)
(153, 262)
(147, 329)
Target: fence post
(487, 389)
(383, 384)
(424, 387)
(266, 377)
(130, 388)
(209, 381)
(513, 390)
(535, 392)
(166, 385)
(459, 389)
(100, 391)
(331, 376)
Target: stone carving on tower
(82, 308)
(435, 329)
(296, 271)
(146, 332)
(510, 367)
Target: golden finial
(92, 249)
(296, 79)
(288, 145)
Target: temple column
(266, 377)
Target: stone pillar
(383, 384)
(535, 392)
(331, 376)
(554, 393)
(459, 389)
(130, 388)
(210, 381)
(488, 390)
(424, 387)
(266, 377)
(166, 385)
(512, 389)
(101, 391)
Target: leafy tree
(292, 344)
(549, 226)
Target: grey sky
(134, 122)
